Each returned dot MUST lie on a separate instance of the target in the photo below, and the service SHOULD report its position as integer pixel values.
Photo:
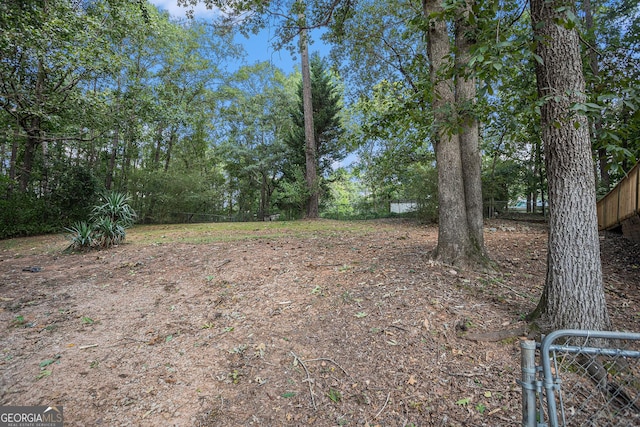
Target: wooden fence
(621, 203)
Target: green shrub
(108, 232)
(110, 219)
(115, 206)
(81, 235)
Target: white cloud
(171, 6)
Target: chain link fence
(581, 378)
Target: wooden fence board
(620, 203)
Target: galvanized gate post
(528, 383)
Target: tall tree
(573, 295)
(327, 127)
(458, 243)
(465, 98)
(310, 152)
(257, 120)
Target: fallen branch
(383, 406)
(84, 347)
(309, 380)
(226, 261)
(329, 360)
(469, 375)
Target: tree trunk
(469, 135)
(172, 140)
(540, 177)
(12, 161)
(158, 149)
(31, 144)
(454, 245)
(112, 159)
(309, 136)
(573, 295)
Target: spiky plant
(81, 235)
(115, 205)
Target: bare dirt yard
(317, 323)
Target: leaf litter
(353, 327)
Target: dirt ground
(344, 326)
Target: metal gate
(582, 378)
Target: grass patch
(237, 231)
(202, 233)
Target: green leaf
(538, 59)
(288, 394)
(463, 402)
(43, 374)
(48, 362)
(334, 395)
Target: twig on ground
(329, 360)
(84, 347)
(470, 375)
(226, 261)
(308, 379)
(383, 406)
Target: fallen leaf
(412, 380)
(260, 349)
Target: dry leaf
(426, 323)
(260, 349)
(412, 380)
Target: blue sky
(258, 47)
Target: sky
(258, 47)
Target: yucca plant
(81, 235)
(110, 219)
(116, 207)
(108, 232)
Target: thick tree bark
(573, 296)
(454, 244)
(469, 135)
(309, 135)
